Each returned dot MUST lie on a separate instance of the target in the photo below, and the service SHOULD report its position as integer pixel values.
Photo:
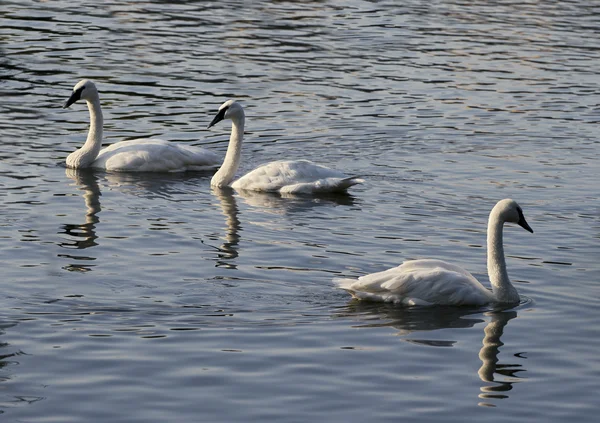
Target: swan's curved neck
(226, 172)
(501, 287)
(86, 155)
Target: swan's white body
(429, 282)
(284, 176)
(140, 155)
(294, 177)
(154, 155)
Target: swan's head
(509, 211)
(228, 110)
(85, 89)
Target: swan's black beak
(74, 97)
(523, 223)
(218, 118)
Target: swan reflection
(507, 374)
(290, 203)
(499, 376)
(412, 319)
(8, 357)
(229, 249)
(268, 203)
(83, 235)
(156, 185)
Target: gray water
(153, 298)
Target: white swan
(429, 282)
(140, 155)
(284, 176)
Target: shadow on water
(408, 320)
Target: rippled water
(153, 298)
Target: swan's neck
(501, 287)
(226, 173)
(86, 155)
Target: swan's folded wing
(419, 282)
(153, 155)
(322, 186)
(295, 177)
(197, 158)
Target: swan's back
(295, 177)
(154, 155)
(420, 282)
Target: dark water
(153, 298)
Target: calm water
(152, 298)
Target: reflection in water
(412, 319)
(489, 359)
(268, 202)
(228, 250)
(5, 355)
(155, 185)
(82, 236)
(290, 203)
(10, 360)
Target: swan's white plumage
(294, 177)
(429, 282)
(139, 155)
(284, 176)
(419, 282)
(154, 155)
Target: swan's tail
(382, 296)
(351, 180)
(322, 186)
(336, 184)
(345, 284)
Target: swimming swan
(284, 176)
(140, 155)
(429, 282)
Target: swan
(139, 155)
(282, 176)
(436, 282)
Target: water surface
(152, 298)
